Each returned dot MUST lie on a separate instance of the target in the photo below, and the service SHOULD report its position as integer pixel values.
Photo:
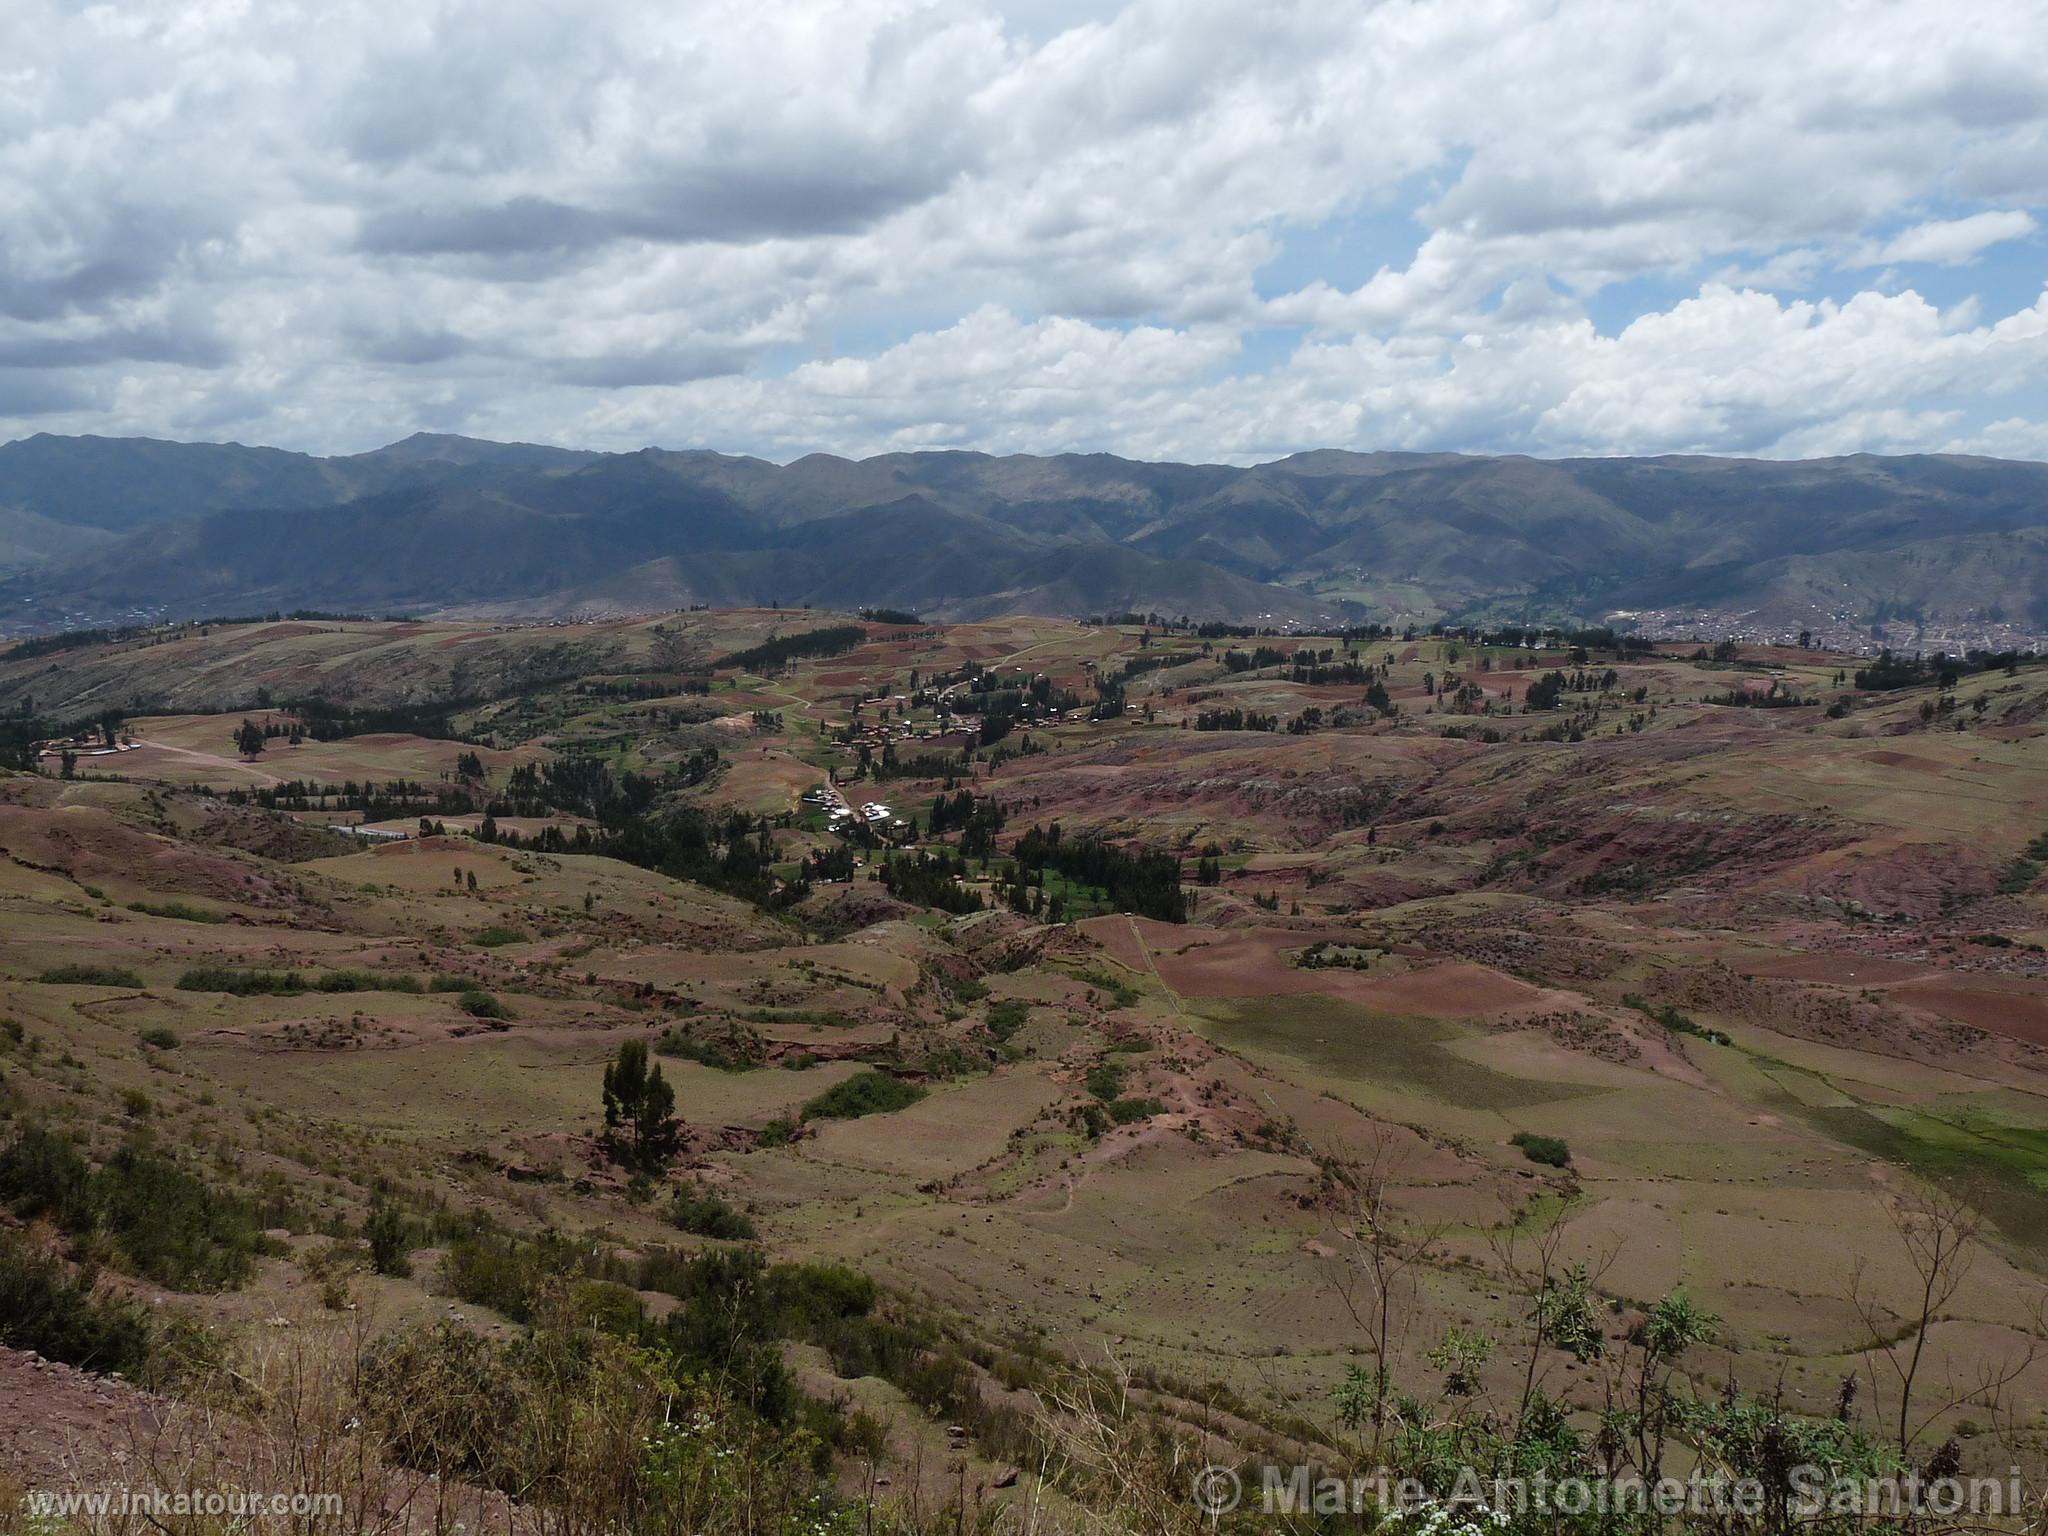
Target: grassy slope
(1750, 1173)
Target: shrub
(181, 910)
(703, 1214)
(365, 981)
(90, 976)
(592, 1434)
(163, 1039)
(734, 1309)
(221, 978)
(445, 983)
(608, 1306)
(139, 1209)
(870, 1092)
(479, 1004)
(810, 1294)
(171, 1227)
(495, 937)
(1007, 1017)
(1105, 1080)
(1124, 1111)
(1548, 1150)
(494, 1270)
(445, 1399)
(66, 1317)
(730, 1320)
(1121, 993)
(941, 1382)
(875, 1346)
(385, 1233)
(738, 1050)
(43, 1175)
(779, 1132)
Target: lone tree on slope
(640, 1126)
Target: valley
(1189, 972)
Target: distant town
(1831, 632)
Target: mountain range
(94, 528)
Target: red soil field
(1241, 963)
(2016, 1015)
(1114, 935)
(1839, 970)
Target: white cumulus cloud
(1193, 227)
(1950, 241)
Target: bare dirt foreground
(68, 1435)
(63, 1429)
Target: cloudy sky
(1183, 229)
